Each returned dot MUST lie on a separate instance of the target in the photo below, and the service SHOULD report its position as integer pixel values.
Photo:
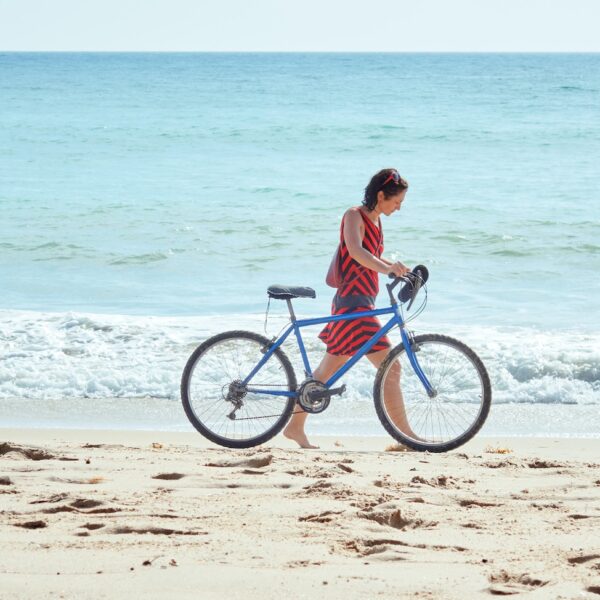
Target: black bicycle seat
(415, 279)
(287, 292)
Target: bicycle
(238, 399)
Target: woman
(361, 260)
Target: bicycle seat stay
(287, 292)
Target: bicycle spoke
(218, 401)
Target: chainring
(308, 404)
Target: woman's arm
(353, 236)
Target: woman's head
(385, 191)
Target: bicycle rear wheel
(462, 394)
(220, 406)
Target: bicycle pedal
(328, 393)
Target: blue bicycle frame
(296, 325)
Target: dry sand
(165, 515)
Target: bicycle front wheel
(217, 402)
(458, 407)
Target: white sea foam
(70, 355)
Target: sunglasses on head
(393, 176)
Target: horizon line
(2, 51)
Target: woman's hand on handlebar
(398, 269)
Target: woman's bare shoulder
(353, 215)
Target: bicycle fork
(408, 341)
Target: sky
(301, 25)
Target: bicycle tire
(462, 357)
(255, 343)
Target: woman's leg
(392, 393)
(295, 428)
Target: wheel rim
(214, 390)
(457, 403)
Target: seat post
(291, 309)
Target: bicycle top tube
(297, 324)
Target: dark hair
(391, 188)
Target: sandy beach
(99, 514)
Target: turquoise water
(139, 192)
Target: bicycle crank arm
(319, 395)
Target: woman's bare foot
(298, 435)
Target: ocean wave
(268, 190)
(511, 252)
(576, 88)
(139, 259)
(587, 248)
(70, 355)
(50, 251)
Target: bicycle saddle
(287, 292)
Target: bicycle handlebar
(413, 282)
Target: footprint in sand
(345, 468)
(155, 531)
(326, 488)
(367, 503)
(469, 503)
(93, 526)
(85, 503)
(82, 505)
(324, 517)
(169, 476)
(317, 486)
(593, 589)
(579, 560)
(471, 525)
(544, 464)
(396, 519)
(367, 547)
(31, 453)
(506, 584)
(416, 500)
(51, 500)
(32, 524)
(439, 481)
(253, 462)
(492, 464)
(58, 509)
(303, 563)
(295, 472)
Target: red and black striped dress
(357, 293)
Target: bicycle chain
(297, 412)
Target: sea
(147, 201)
